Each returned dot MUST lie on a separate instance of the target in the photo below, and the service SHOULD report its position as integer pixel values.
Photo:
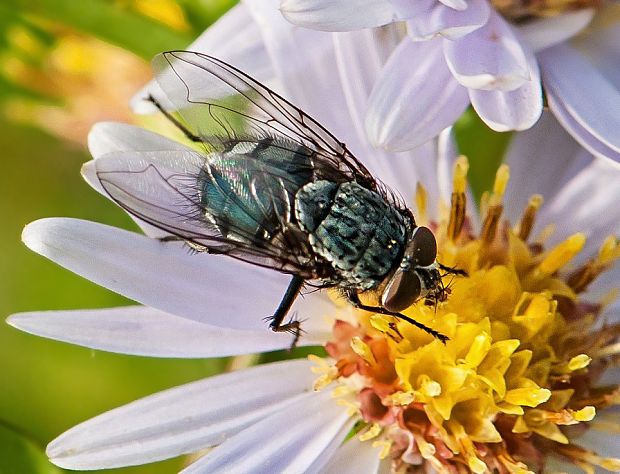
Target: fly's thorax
(355, 229)
(416, 276)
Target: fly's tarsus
(353, 298)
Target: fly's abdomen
(247, 191)
(353, 228)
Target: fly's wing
(216, 99)
(165, 189)
(243, 209)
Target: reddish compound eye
(402, 291)
(423, 247)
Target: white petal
(354, 456)
(490, 58)
(546, 32)
(213, 289)
(328, 15)
(183, 419)
(517, 109)
(448, 22)
(234, 38)
(592, 118)
(140, 330)
(415, 98)
(295, 439)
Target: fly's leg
(293, 326)
(188, 133)
(354, 299)
(191, 246)
(452, 270)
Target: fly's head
(417, 275)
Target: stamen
(363, 350)
(421, 200)
(458, 199)
(495, 207)
(582, 277)
(372, 432)
(585, 459)
(562, 253)
(528, 218)
(499, 186)
(427, 450)
(385, 448)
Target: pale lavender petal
(447, 152)
(299, 438)
(456, 4)
(234, 38)
(539, 159)
(601, 442)
(553, 464)
(108, 137)
(183, 419)
(605, 285)
(490, 58)
(140, 330)
(546, 32)
(586, 202)
(354, 456)
(448, 22)
(165, 276)
(601, 45)
(328, 15)
(407, 107)
(360, 57)
(592, 118)
(517, 109)
(580, 190)
(89, 173)
(304, 63)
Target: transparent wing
(216, 99)
(163, 189)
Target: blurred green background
(64, 65)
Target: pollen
(519, 375)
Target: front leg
(354, 299)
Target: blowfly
(267, 184)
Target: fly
(270, 186)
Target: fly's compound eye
(422, 247)
(402, 291)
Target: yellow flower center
(523, 357)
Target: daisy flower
(533, 325)
(493, 54)
(519, 386)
